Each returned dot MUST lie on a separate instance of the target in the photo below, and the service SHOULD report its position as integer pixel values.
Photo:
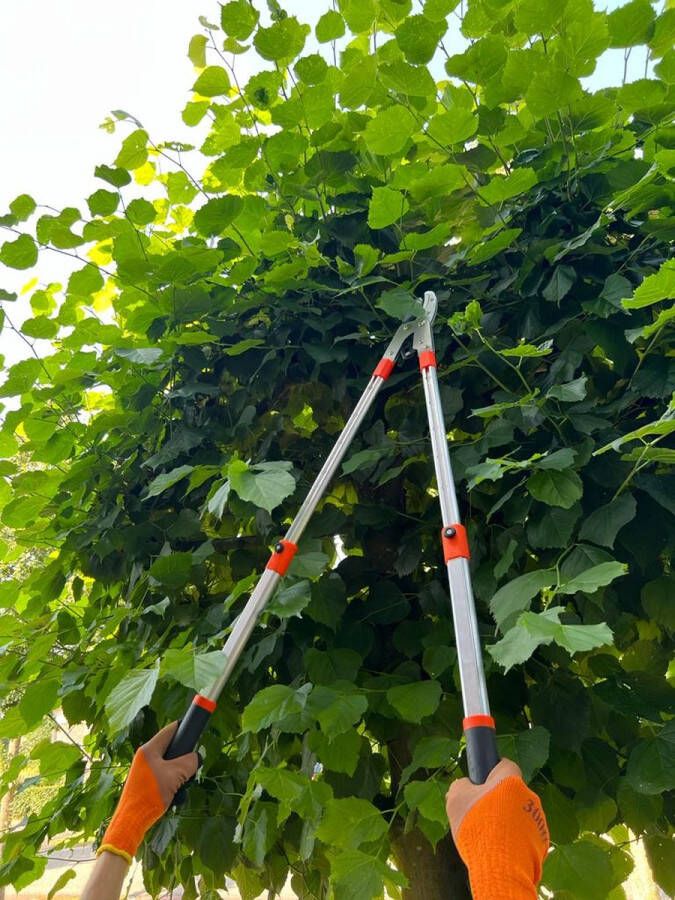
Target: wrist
(108, 852)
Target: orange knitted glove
(501, 833)
(147, 794)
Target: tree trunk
(432, 874)
(6, 802)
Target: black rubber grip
(481, 752)
(189, 731)
(185, 740)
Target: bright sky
(65, 65)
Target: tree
(209, 347)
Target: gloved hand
(501, 833)
(147, 794)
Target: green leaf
(503, 187)
(651, 764)
(591, 579)
(351, 822)
(555, 488)
(438, 10)
(429, 798)
(194, 670)
(134, 152)
(339, 753)
(308, 564)
(141, 212)
(529, 749)
(238, 19)
(19, 254)
(571, 392)
(418, 37)
(364, 459)
(660, 854)
(330, 27)
(560, 284)
(22, 207)
(218, 500)
(359, 14)
(270, 706)
(61, 882)
(414, 702)
(604, 523)
(172, 571)
(666, 68)
(415, 81)
(216, 215)
(479, 62)
(265, 484)
(664, 33)
(285, 786)
(194, 112)
(536, 16)
(516, 595)
(22, 376)
(356, 874)
(163, 482)
(197, 50)
(558, 460)
(103, 203)
(311, 69)
(40, 698)
(454, 127)
(553, 528)
(550, 90)
(656, 599)
(117, 177)
(283, 40)
(582, 869)
(660, 286)
(431, 753)
(55, 757)
(386, 207)
(291, 600)
(487, 249)
(399, 304)
(40, 328)
(336, 708)
(212, 82)
(142, 356)
(533, 629)
(129, 697)
(516, 647)
(631, 24)
(389, 131)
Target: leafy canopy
(205, 353)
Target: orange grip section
(205, 703)
(282, 557)
(427, 359)
(384, 368)
(455, 542)
(478, 722)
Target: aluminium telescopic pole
(203, 705)
(479, 727)
(478, 724)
